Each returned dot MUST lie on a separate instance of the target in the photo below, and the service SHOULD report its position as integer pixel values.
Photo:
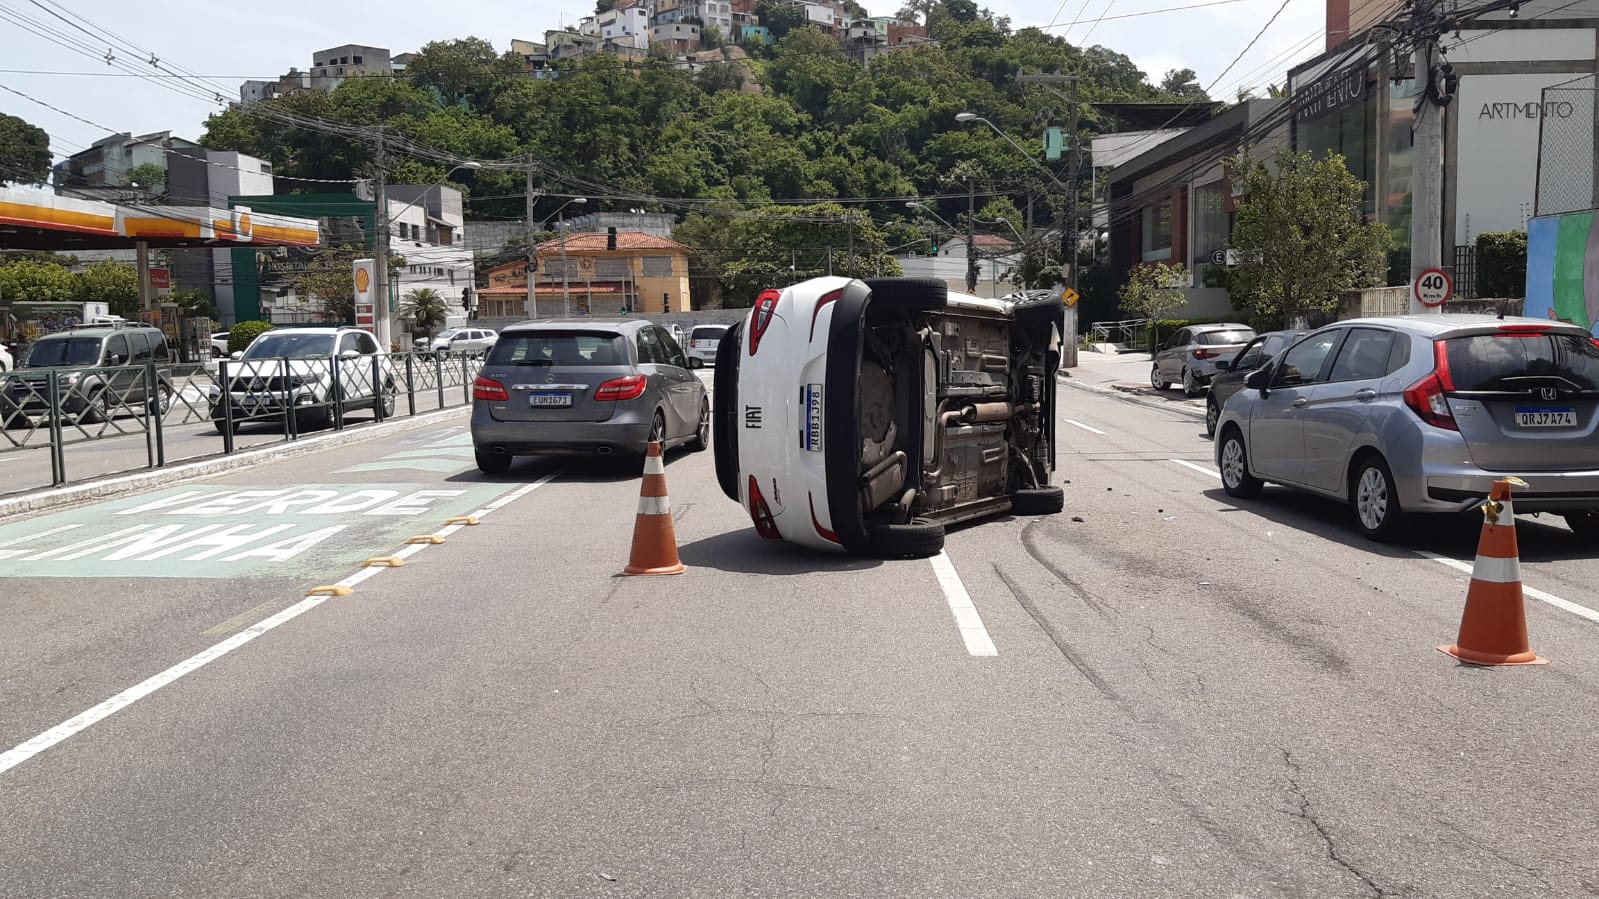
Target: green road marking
(224, 531)
(442, 465)
(446, 455)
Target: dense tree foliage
(656, 135)
(24, 152)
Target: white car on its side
(865, 416)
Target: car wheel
(312, 419)
(696, 362)
(1212, 415)
(1038, 501)
(222, 426)
(1235, 476)
(702, 434)
(1584, 524)
(657, 431)
(917, 539)
(162, 401)
(1155, 379)
(391, 398)
(492, 463)
(1191, 385)
(94, 409)
(1376, 502)
(909, 293)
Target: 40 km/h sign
(1433, 288)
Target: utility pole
(851, 219)
(1069, 239)
(532, 257)
(1427, 128)
(566, 276)
(971, 234)
(380, 195)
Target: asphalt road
(1187, 697)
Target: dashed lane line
(1194, 466)
(1077, 424)
(1564, 605)
(83, 720)
(967, 620)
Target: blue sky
(229, 42)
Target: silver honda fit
(1423, 413)
(585, 387)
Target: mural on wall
(1563, 269)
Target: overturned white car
(865, 416)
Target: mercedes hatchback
(865, 416)
(1418, 414)
(587, 387)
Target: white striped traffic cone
(1493, 630)
(654, 540)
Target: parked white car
(6, 363)
(219, 344)
(299, 369)
(703, 341)
(458, 340)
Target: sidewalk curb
(1130, 395)
(52, 498)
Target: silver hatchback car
(1422, 414)
(585, 387)
(1193, 355)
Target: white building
(208, 178)
(428, 229)
(330, 67)
(626, 27)
(996, 263)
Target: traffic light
(932, 247)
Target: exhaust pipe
(604, 451)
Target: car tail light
(1426, 397)
(489, 389)
(628, 388)
(825, 300)
(822, 532)
(761, 513)
(765, 305)
(1596, 342)
(1205, 354)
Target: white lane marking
(1562, 604)
(960, 605)
(1199, 468)
(1075, 423)
(83, 720)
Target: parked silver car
(1230, 377)
(1422, 414)
(458, 340)
(585, 387)
(1191, 355)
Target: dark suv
(100, 371)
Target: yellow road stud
(430, 539)
(334, 590)
(464, 519)
(390, 561)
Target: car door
(1170, 353)
(653, 363)
(689, 388)
(1276, 429)
(1338, 409)
(117, 356)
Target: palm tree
(426, 309)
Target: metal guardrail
(152, 415)
(1130, 331)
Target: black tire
(390, 399)
(701, 441)
(222, 426)
(1040, 310)
(492, 463)
(162, 401)
(1584, 524)
(1375, 501)
(909, 293)
(1191, 385)
(313, 419)
(95, 409)
(1038, 501)
(1212, 415)
(1156, 380)
(657, 432)
(1235, 476)
(918, 539)
(724, 432)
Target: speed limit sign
(1433, 288)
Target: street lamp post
(1068, 265)
(566, 277)
(380, 312)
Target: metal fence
(1566, 160)
(1464, 271)
(62, 425)
(1132, 332)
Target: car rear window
(1221, 338)
(1507, 361)
(705, 333)
(563, 348)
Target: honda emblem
(1548, 393)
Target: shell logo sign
(363, 281)
(243, 226)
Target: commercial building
(107, 162)
(212, 178)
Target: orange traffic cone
(654, 540)
(1493, 630)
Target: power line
(1249, 46)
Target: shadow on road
(1446, 535)
(745, 552)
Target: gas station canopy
(31, 220)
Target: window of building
(357, 60)
(344, 60)
(1212, 232)
(655, 267)
(340, 70)
(1157, 232)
